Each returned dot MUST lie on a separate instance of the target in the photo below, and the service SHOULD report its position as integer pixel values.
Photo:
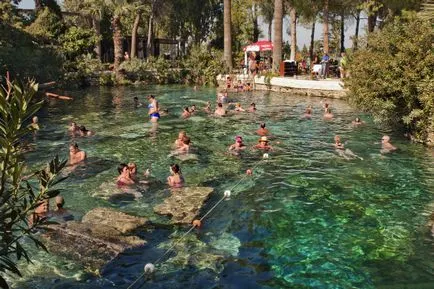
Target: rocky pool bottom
(306, 218)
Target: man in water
(262, 130)
(220, 111)
(386, 146)
(75, 154)
(60, 211)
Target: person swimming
(175, 180)
(341, 151)
(262, 131)
(41, 212)
(207, 107)
(328, 114)
(252, 107)
(154, 109)
(186, 113)
(185, 145)
(179, 141)
(74, 128)
(85, 132)
(238, 107)
(220, 111)
(193, 109)
(238, 145)
(386, 146)
(34, 125)
(222, 96)
(308, 112)
(263, 144)
(357, 121)
(124, 178)
(75, 154)
(60, 212)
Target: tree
(393, 77)
(277, 41)
(18, 197)
(293, 17)
(227, 34)
(266, 8)
(326, 26)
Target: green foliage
(21, 54)
(152, 70)
(48, 26)
(83, 69)
(18, 196)
(393, 78)
(203, 65)
(8, 14)
(78, 41)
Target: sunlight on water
(306, 218)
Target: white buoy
(265, 156)
(149, 268)
(227, 194)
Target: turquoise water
(307, 218)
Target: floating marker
(227, 193)
(265, 156)
(197, 223)
(149, 268)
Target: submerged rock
(184, 204)
(95, 241)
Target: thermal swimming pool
(307, 218)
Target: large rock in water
(98, 239)
(184, 204)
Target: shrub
(393, 78)
(203, 65)
(78, 41)
(18, 196)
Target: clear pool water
(307, 218)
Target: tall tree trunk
(326, 26)
(97, 28)
(372, 21)
(134, 36)
(277, 41)
(342, 32)
(227, 34)
(293, 16)
(117, 42)
(270, 26)
(255, 23)
(150, 38)
(312, 39)
(356, 34)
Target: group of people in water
(128, 175)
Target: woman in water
(252, 107)
(386, 146)
(186, 113)
(124, 178)
(176, 180)
(238, 145)
(85, 132)
(207, 108)
(179, 141)
(74, 128)
(345, 153)
(238, 107)
(154, 109)
(357, 122)
(308, 112)
(263, 144)
(75, 154)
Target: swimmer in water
(40, 212)
(179, 141)
(185, 146)
(154, 109)
(175, 180)
(137, 103)
(328, 114)
(186, 113)
(60, 211)
(262, 131)
(386, 146)
(35, 125)
(220, 111)
(222, 96)
(238, 107)
(193, 109)
(357, 122)
(207, 108)
(238, 145)
(341, 151)
(252, 107)
(124, 178)
(85, 132)
(75, 154)
(308, 112)
(263, 144)
(74, 128)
